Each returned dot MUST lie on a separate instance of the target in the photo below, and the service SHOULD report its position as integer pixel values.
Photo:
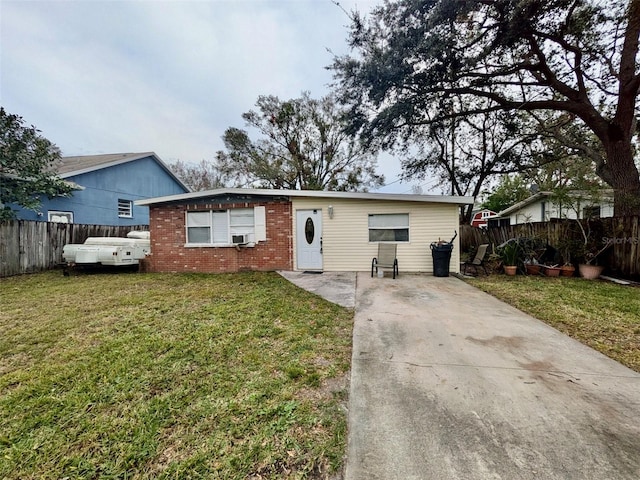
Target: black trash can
(441, 253)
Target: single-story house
(231, 229)
(107, 186)
(542, 207)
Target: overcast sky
(120, 76)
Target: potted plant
(590, 269)
(533, 247)
(552, 270)
(510, 253)
(591, 249)
(567, 270)
(568, 246)
(578, 241)
(532, 266)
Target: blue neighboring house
(108, 185)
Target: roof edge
(308, 194)
(523, 203)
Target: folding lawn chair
(478, 260)
(386, 258)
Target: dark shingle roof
(70, 166)
(74, 165)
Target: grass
(142, 376)
(603, 315)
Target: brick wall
(168, 238)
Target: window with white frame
(389, 227)
(57, 216)
(125, 208)
(226, 227)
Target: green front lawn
(603, 315)
(170, 376)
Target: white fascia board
(309, 193)
(527, 201)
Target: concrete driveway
(449, 383)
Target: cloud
(168, 76)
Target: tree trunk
(622, 175)
(466, 212)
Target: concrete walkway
(337, 287)
(449, 383)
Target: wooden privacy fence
(27, 246)
(623, 233)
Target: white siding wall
(606, 209)
(530, 213)
(346, 244)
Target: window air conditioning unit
(240, 239)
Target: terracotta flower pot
(533, 269)
(552, 271)
(590, 272)
(510, 270)
(567, 270)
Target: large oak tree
(198, 176)
(301, 145)
(564, 57)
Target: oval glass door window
(309, 230)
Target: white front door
(309, 239)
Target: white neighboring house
(541, 207)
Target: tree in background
(469, 152)
(564, 169)
(27, 163)
(303, 145)
(200, 176)
(511, 190)
(574, 57)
